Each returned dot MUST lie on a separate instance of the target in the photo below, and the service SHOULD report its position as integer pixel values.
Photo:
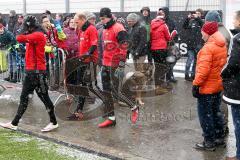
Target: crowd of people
(33, 47)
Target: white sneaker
(9, 126)
(49, 127)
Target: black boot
(207, 146)
(14, 79)
(187, 78)
(9, 77)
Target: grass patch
(18, 146)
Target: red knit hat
(210, 27)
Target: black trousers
(160, 63)
(37, 82)
(112, 91)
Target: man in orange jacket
(207, 86)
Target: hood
(156, 23)
(145, 8)
(218, 39)
(165, 10)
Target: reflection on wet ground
(168, 126)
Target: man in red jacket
(114, 57)
(35, 78)
(88, 47)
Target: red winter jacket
(35, 52)
(113, 52)
(88, 38)
(159, 34)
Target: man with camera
(193, 24)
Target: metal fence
(64, 6)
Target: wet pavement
(168, 127)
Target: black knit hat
(106, 12)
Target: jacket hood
(165, 10)
(156, 23)
(145, 8)
(218, 39)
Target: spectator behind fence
(12, 20)
(146, 21)
(164, 12)
(231, 80)
(55, 40)
(207, 86)
(193, 24)
(58, 19)
(7, 40)
(19, 25)
(159, 38)
(3, 20)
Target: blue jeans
(211, 117)
(12, 62)
(236, 122)
(190, 61)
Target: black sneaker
(13, 80)
(173, 80)
(205, 146)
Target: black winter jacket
(11, 23)
(231, 72)
(193, 26)
(138, 40)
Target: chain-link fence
(62, 6)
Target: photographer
(193, 24)
(35, 78)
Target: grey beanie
(89, 15)
(213, 16)
(132, 17)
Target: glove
(59, 28)
(195, 91)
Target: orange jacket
(210, 61)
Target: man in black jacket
(138, 50)
(193, 24)
(231, 80)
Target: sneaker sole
(14, 129)
(205, 149)
(49, 130)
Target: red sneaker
(107, 123)
(135, 114)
